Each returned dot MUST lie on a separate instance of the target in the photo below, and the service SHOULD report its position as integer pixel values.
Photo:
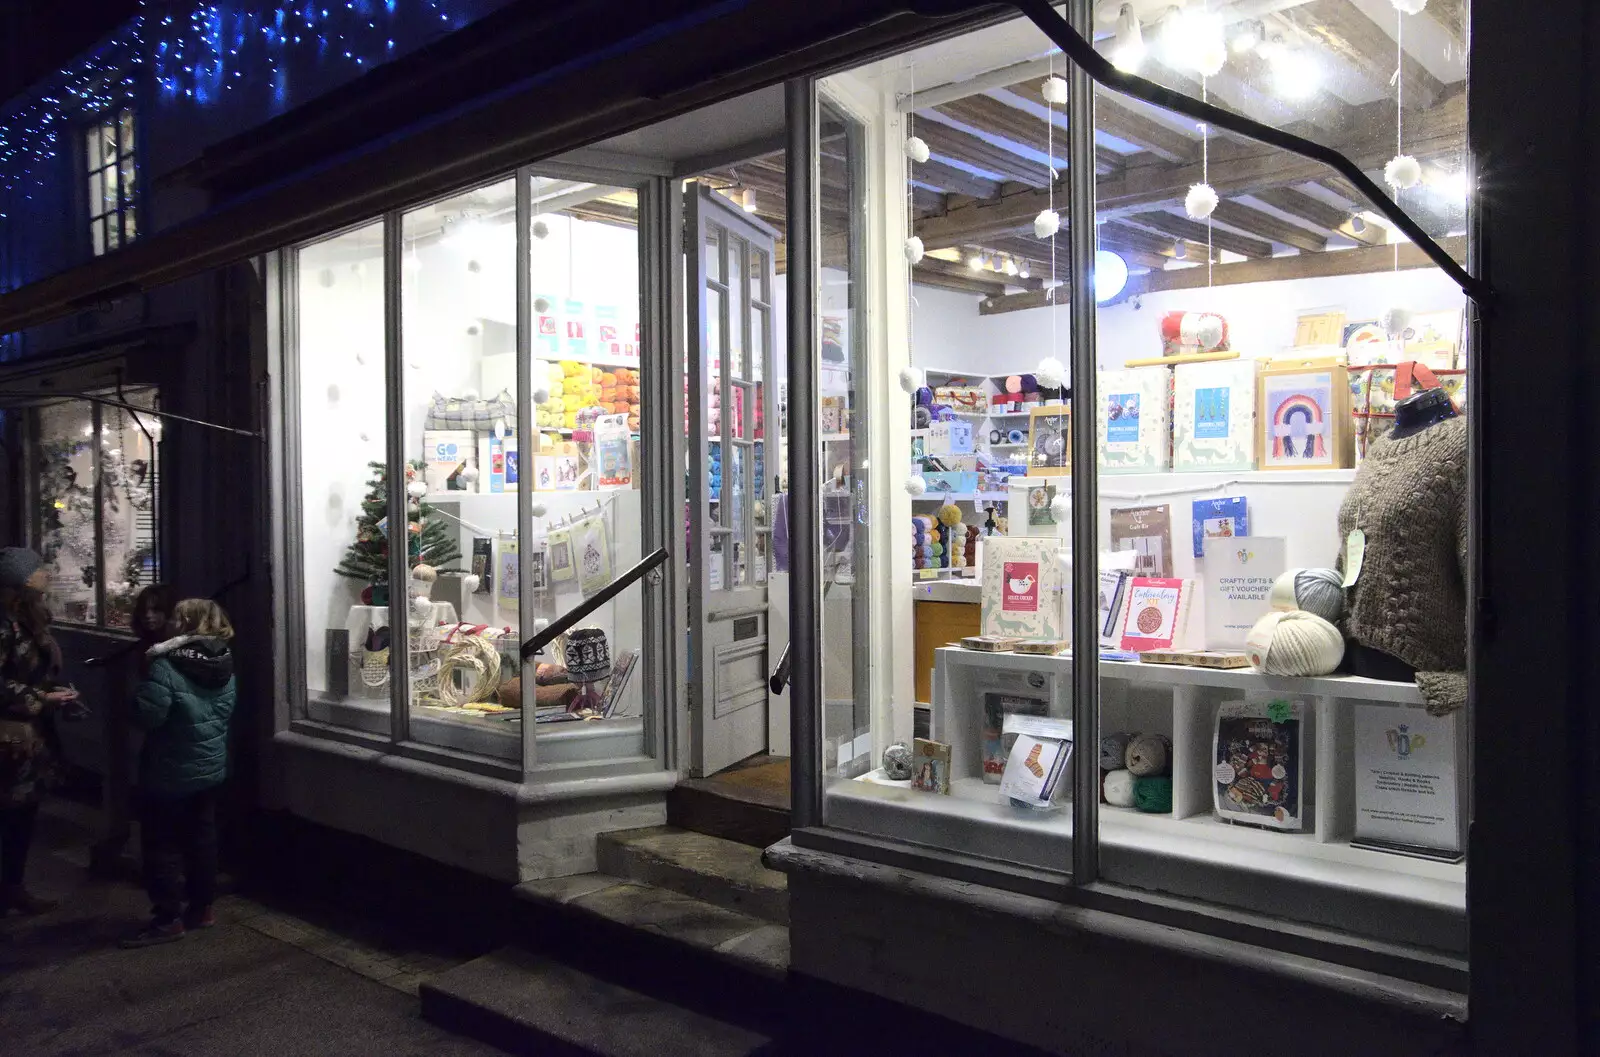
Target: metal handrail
(133, 644)
(558, 627)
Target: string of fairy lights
(207, 54)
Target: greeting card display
(1133, 421)
(1214, 416)
(1258, 756)
(1304, 411)
(1022, 588)
(1157, 614)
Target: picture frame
(1303, 415)
(1050, 440)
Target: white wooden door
(730, 320)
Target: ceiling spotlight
(1180, 250)
(1295, 71)
(975, 262)
(748, 199)
(1127, 46)
(1011, 266)
(1023, 269)
(1358, 223)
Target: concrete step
(529, 1004)
(722, 872)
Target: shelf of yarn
(962, 497)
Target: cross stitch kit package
(1146, 530)
(1133, 420)
(1304, 412)
(1214, 416)
(1258, 764)
(1224, 518)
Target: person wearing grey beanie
(29, 662)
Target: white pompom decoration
(914, 250)
(499, 429)
(540, 623)
(541, 395)
(1061, 508)
(1046, 224)
(916, 485)
(416, 489)
(1200, 202)
(469, 474)
(538, 509)
(1395, 321)
(422, 607)
(910, 379)
(916, 149)
(1402, 172)
(1210, 331)
(1054, 91)
(1409, 7)
(1051, 373)
(470, 583)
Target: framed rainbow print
(1303, 411)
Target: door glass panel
(738, 252)
(736, 513)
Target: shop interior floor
(722, 872)
(748, 802)
(527, 1003)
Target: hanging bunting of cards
(509, 582)
(561, 565)
(577, 329)
(546, 328)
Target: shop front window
(95, 511)
(1280, 722)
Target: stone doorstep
(747, 943)
(525, 1003)
(717, 871)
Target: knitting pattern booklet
(1258, 755)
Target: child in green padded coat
(183, 705)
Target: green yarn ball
(1153, 795)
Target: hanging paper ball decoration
(1395, 321)
(470, 583)
(1409, 7)
(416, 489)
(1046, 224)
(914, 249)
(1051, 373)
(1200, 202)
(469, 474)
(538, 509)
(541, 230)
(1054, 90)
(1061, 508)
(916, 149)
(916, 485)
(1402, 172)
(1208, 53)
(422, 607)
(910, 379)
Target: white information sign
(1406, 787)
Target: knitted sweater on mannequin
(1410, 499)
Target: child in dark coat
(184, 705)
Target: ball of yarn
(1148, 754)
(949, 514)
(921, 417)
(897, 762)
(1113, 752)
(916, 485)
(1120, 787)
(1319, 591)
(1295, 643)
(1153, 794)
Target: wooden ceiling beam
(1345, 30)
(964, 147)
(1320, 213)
(1184, 228)
(1009, 122)
(1268, 226)
(1148, 135)
(948, 275)
(1125, 239)
(948, 178)
(1274, 269)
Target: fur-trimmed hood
(205, 662)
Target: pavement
(263, 981)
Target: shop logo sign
(1403, 743)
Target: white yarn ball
(1061, 507)
(471, 582)
(1409, 7)
(914, 249)
(910, 379)
(1119, 788)
(1317, 591)
(916, 485)
(1295, 643)
(469, 474)
(541, 395)
(1395, 321)
(1402, 172)
(417, 489)
(538, 509)
(1208, 333)
(1200, 202)
(422, 607)
(1054, 91)
(1046, 224)
(916, 149)
(1051, 373)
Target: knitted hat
(17, 564)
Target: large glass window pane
(65, 511)
(587, 472)
(464, 470)
(344, 512)
(128, 492)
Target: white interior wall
(947, 334)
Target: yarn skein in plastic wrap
(1153, 794)
(1148, 754)
(1113, 752)
(1295, 643)
(1120, 786)
(1319, 591)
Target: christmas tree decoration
(429, 539)
(1403, 172)
(1200, 202)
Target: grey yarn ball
(897, 762)
(1317, 591)
(1113, 752)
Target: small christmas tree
(431, 541)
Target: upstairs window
(113, 181)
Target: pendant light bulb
(975, 262)
(1127, 47)
(1180, 250)
(748, 199)
(1023, 269)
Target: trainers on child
(154, 933)
(199, 917)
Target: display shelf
(1007, 414)
(962, 497)
(834, 438)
